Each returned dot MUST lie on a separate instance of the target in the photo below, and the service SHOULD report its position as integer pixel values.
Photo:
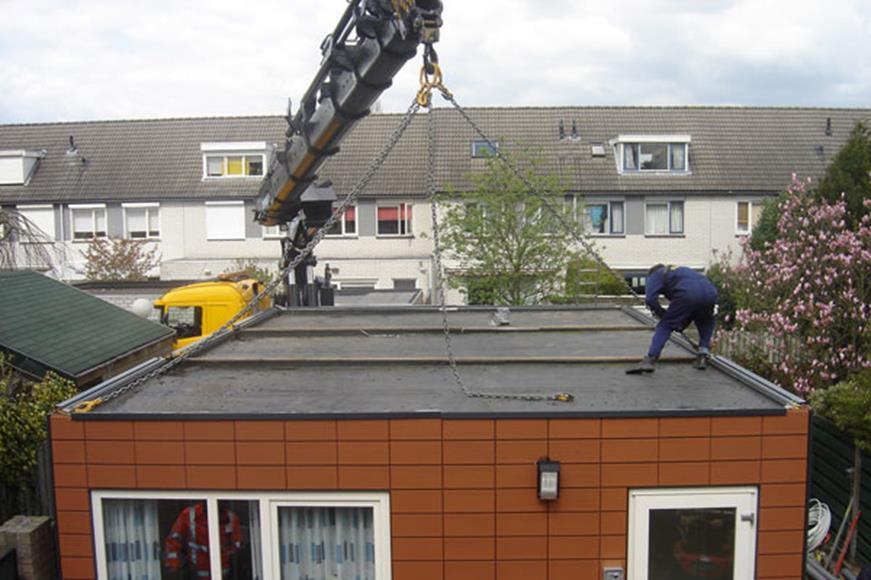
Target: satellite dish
(141, 308)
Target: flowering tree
(813, 285)
(119, 259)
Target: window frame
(409, 221)
(759, 202)
(642, 501)
(230, 203)
(610, 220)
(22, 209)
(477, 145)
(93, 207)
(621, 142)
(671, 233)
(268, 505)
(148, 207)
(343, 224)
(225, 156)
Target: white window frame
(269, 504)
(477, 145)
(148, 207)
(621, 141)
(22, 209)
(750, 203)
(272, 232)
(343, 225)
(668, 204)
(94, 207)
(224, 156)
(409, 212)
(743, 499)
(610, 203)
(216, 238)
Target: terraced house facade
(672, 184)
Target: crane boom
(371, 42)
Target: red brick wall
(462, 491)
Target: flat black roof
(368, 362)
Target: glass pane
(617, 217)
(157, 539)
(630, 154)
(677, 217)
(83, 224)
(215, 166)
(234, 166)
(678, 157)
(323, 542)
(240, 539)
(100, 222)
(597, 218)
(653, 156)
(255, 165)
(388, 220)
(406, 215)
(657, 219)
(351, 220)
(689, 544)
(743, 216)
(136, 222)
(187, 321)
(756, 213)
(154, 222)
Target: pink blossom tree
(808, 293)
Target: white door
(692, 534)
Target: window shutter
(225, 221)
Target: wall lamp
(548, 479)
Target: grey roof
(50, 325)
(392, 362)
(734, 149)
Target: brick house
(337, 442)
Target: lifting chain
(438, 266)
(268, 290)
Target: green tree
(849, 174)
(510, 246)
(24, 409)
(119, 259)
(765, 230)
(848, 405)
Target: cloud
(99, 59)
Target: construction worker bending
(692, 298)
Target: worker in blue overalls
(692, 298)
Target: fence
(34, 499)
(832, 456)
(742, 345)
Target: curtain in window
(617, 218)
(657, 219)
(629, 160)
(254, 527)
(136, 226)
(597, 218)
(678, 157)
(676, 218)
(317, 543)
(132, 539)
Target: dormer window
(481, 148)
(233, 160)
(652, 153)
(17, 166)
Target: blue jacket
(678, 285)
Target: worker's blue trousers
(678, 316)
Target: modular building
(338, 443)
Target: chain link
(439, 272)
(269, 289)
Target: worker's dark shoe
(701, 362)
(645, 366)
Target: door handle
(750, 518)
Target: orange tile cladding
(259, 430)
(575, 428)
(470, 525)
(310, 430)
(415, 429)
(415, 452)
(470, 570)
(77, 568)
(158, 430)
(312, 478)
(466, 487)
(63, 427)
(778, 566)
(416, 525)
(521, 429)
(468, 476)
(470, 549)
(377, 430)
(416, 477)
(468, 429)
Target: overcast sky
(110, 59)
